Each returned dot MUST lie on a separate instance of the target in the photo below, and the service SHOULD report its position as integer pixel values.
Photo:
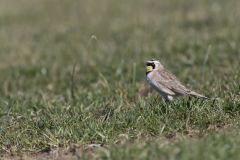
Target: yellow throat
(149, 69)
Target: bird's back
(171, 82)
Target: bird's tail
(195, 94)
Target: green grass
(44, 107)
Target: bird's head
(152, 65)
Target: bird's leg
(165, 99)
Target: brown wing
(169, 81)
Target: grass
(72, 73)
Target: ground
(73, 79)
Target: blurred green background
(43, 106)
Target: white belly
(152, 84)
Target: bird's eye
(153, 65)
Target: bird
(166, 83)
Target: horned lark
(166, 83)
